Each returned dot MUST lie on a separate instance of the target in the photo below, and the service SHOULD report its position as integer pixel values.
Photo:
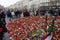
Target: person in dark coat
(20, 12)
(52, 12)
(59, 12)
(26, 13)
(17, 14)
(37, 12)
(2, 20)
(3, 25)
(9, 15)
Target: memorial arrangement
(34, 28)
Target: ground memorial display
(34, 28)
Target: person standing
(13, 14)
(26, 13)
(9, 15)
(3, 25)
(52, 12)
(17, 14)
(20, 13)
(37, 13)
(59, 12)
(31, 13)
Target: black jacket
(26, 14)
(2, 22)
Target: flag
(48, 37)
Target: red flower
(57, 33)
(44, 26)
(24, 32)
(58, 17)
(35, 27)
(17, 39)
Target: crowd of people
(40, 12)
(11, 14)
(15, 14)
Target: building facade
(35, 4)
